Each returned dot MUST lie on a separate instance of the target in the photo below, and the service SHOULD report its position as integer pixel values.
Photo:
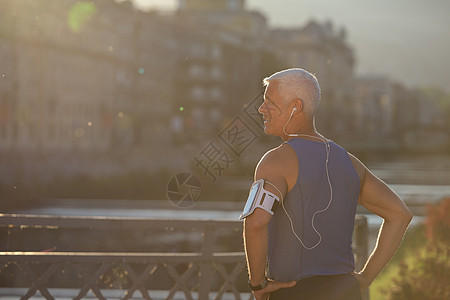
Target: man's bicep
(269, 170)
(274, 182)
(379, 198)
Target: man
(306, 243)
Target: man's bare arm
(255, 227)
(379, 199)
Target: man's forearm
(256, 243)
(389, 239)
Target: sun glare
(80, 14)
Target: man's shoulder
(280, 161)
(279, 156)
(359, 167)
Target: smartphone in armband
(259, 197)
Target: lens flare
(80, 14)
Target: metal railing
(196, 275)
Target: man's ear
(298, 105)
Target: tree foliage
(427, 276)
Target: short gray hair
(298, 83)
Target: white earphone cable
(327, 149)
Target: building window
(197, 92)
(196, 70)
(233, 5)
(216, 52)
(198, 50)
(216, 93)
(216, 72)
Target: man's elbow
(254, 224)
(402, 217)
(409, 216)
(406, 216)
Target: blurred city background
(103, 103)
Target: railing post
(361, 241)
(362, 246)
(206, 269)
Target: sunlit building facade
(390, 116)
(102, 78)
(82, 75)
(219, 65)
(374, 107)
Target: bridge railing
(206, 274)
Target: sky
(406, 40)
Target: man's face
(273, 110)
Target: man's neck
(303, 130)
